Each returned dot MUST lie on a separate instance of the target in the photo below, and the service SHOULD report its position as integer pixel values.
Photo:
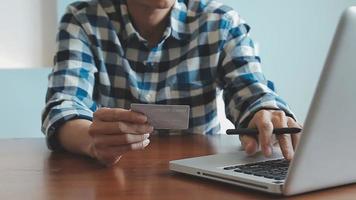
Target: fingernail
(268, 151)
(146, 142)
(250, 152)
(151, 129)
(143, 118)
(147, 135)
(290, 155)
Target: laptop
(325, 156)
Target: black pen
(252, 131)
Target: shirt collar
(177, 26)
(128, 31)
(178, 21)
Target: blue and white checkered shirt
(102, 61)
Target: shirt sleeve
(245, 88)
(71, 82)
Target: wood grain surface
(29, 171)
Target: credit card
(174, 117)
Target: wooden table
(29, 171)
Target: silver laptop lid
(326, 155)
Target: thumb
(249, 144)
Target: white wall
(27, 34)
(294, 38)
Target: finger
(120, 150)
(110, 161)
(130, 128)
(109, 128)
(265, 129)
(104, 157)
(118, 114)
(109, 154)
(295, 137)
(249, 144)
(279, 120)
(285, 143)
(103, 141)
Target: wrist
(74, 137)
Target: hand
(265, 121)
(116, 131)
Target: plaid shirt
(102, 61)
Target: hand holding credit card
(175, 117)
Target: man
(113, 53)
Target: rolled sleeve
(246, 90)
(71, 83)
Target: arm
(248, 99)
(74, 137)
(72, 120)
(71, 82)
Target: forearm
(74, 137)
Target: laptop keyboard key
(272, 169)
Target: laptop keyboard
(272, 169)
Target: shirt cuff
(267, 102)
(51, 127)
